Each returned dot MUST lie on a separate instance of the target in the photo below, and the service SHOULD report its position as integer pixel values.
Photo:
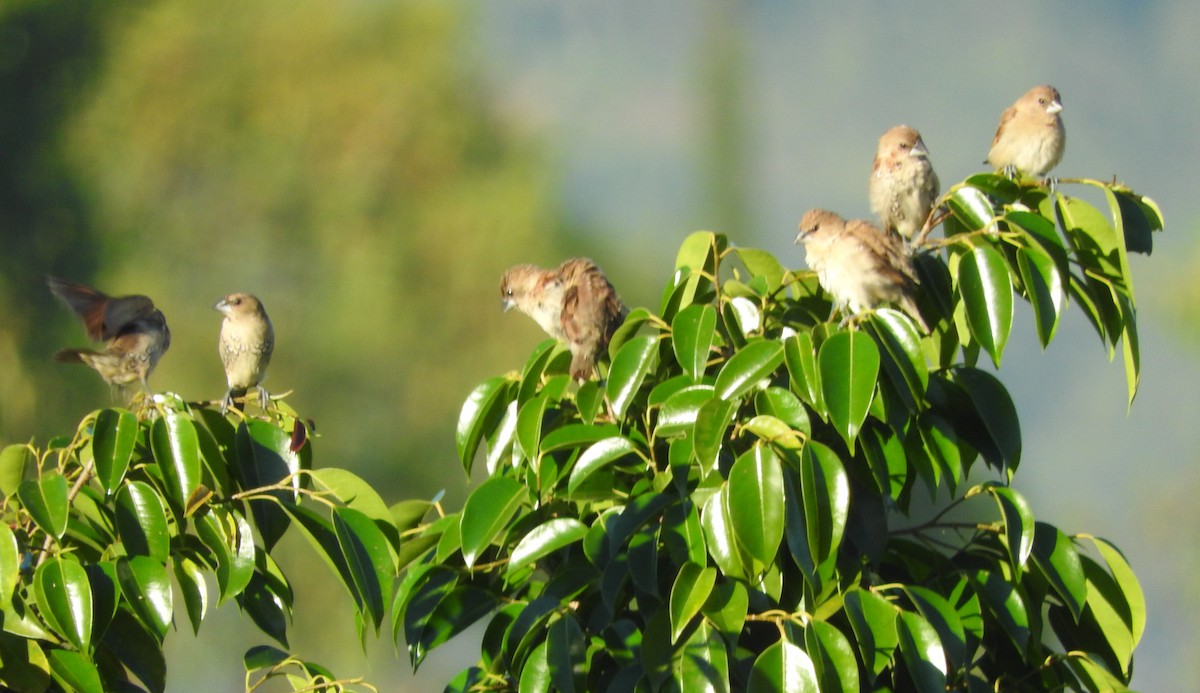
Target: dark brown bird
(903, 187)
(246, 343)
(1031, 137)
(858, 263)
(574, 304)
(134, 332)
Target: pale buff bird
(1031, 137)
(903, 186)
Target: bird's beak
(222, 306)
(919, 149)
(801, 236)
(506, 304)
(1054, 107)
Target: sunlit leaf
(746, 368)
(692, 334)
(64, 598)
(849, 365)
(487, 512)
(986, 289)
(112, 446)
(46, 502)
(783, 668)
(629, 369)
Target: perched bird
(1031, 137)
(903, 186)
(246, 343)
(859, 264)
(134, 332)
(574, 303)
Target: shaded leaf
(141, 521)
(64, 598)
(692, 333)
(46, 502)
(113, 439)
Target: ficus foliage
(756, 496)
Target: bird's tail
(910, 306)
(84, 356)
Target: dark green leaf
(487, 513)
(719, 536)
(629, 368)
(600, 455)
(190, 578)
(366, 552)
(1018, 524)
(702, 663)
(129, 641)
(265, 459)
(147, 591)
(873, 619)
(833, 658)
(263, 657)
(64, 598)
(922, 652)
(747, 368)
(544, 540)
(903, 358)
(228, 535)
(566, 653)
(997, 415)
(690, 591)
(783, 668)
(177, 452)
(692, 334)
(986, 289)
(727, 606)
(266, 608)
(1045, 289)
(115, 433)
(141, 521)
(972, 207)
(75, 672)
(1056, 558)
(711, 423)
(529, 426)
(825, 497)
(849, 365)
(480, 412)
(995, 186)
(1005, 604)
(801, 358)
(46, 502)
(756, 503)
(941, 614)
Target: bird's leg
(853, 319)
(1051, 182)
(227, 402)
(1010, 171)
(264, 399)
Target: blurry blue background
(369, 169)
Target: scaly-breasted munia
(246, 343)
(134, 332)
(575, 304)
(903, 187)
(1031, 137)
(858, 263)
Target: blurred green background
(369, 169)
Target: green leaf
(972, 207)
(545, 539)
(486, 514)
(801, 358)
(265, 459)
(147, 591)
(535, 675)
(1139, 218)
(904, 359)
(833, 657)
(727, 606)
(922, 652)
(678, 414)
(782, 404)
(1005, 604)
(228, 535)
(139, 651)
(479, 413)
(629, 368)
(10, 565)
(756, 503)
(691, 590)
(46, 502)
(719, 536)
(141, 521)
(577, 436)
(1056, 558)
(712, 421)
(692, 334)
(177, 451)
(995, 186)
(762, 263)
(825, 498)
(1018, 524)
(873, 620)
(115, 434)
(566, 653)
(997, 414)
(529, 426)
(267, 608)
(748, 367)
(940, 614)
(986, 289)
(1127, 583)
(64, 598)
(14, 460)
(1045, 289)
(365, 550)
(75, 672)
(702, 663)
(190, 578)
(600, 455)
(849, 366)
(783, 668)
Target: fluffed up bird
(858, 263)
(134, 332)
(903, 187)
(246, 343)
(1031, 137)
(574, 304)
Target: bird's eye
(508, 292)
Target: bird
(1031, 137)
(903, 186)
(574, 303)
(134, 332)
(245, 345)
(858, 263)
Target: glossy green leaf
(46, 502)
(177, 451)
(702, 663)
(825, 498)
(577, 436)
(529, 426)
(268, 610)
(1107, 620)
(1045, 289)
(626, 331)
(833, 658)
(365, 550)
(784, 405)
(986, 290)
(689, 592)
(190, 578)
(535, 675)
(1128, 585)
(482, 408)
(601, 454)
(228, 535)
(14, 460)
(629, 369)
(696, 266)
(801, 358)
(997, 415)
(727, 607)
(972, 207)
(873, 620)
(762, 263)
(64, 598)
(10, 565)
(566, 653)
(1005, 604)
(723, 547)
(747, 368)
(783, 668)
(996, 186)
(922, 652)
(115, 434)
(487, 513)
(692, 333)
(1057, 559)
(756, 503)
(1092, 675)
(75, 672)
(147, 590)
(141, 521)
(712, 421)
(849, 365)
(678, 413)
(545, 539)
(1018, 524)
(1139, 218)
(941, 615)
(902, 356)
(265, 460)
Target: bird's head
(518, 284)
(817, 221)
(235, 305)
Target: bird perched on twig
(1031, 137)
(858, 263)
(134, 332)
(903, 187)
(246, 343)
(575, 304)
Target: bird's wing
(122, 315)
(1008, 115)
(886, 250)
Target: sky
(621, 94)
